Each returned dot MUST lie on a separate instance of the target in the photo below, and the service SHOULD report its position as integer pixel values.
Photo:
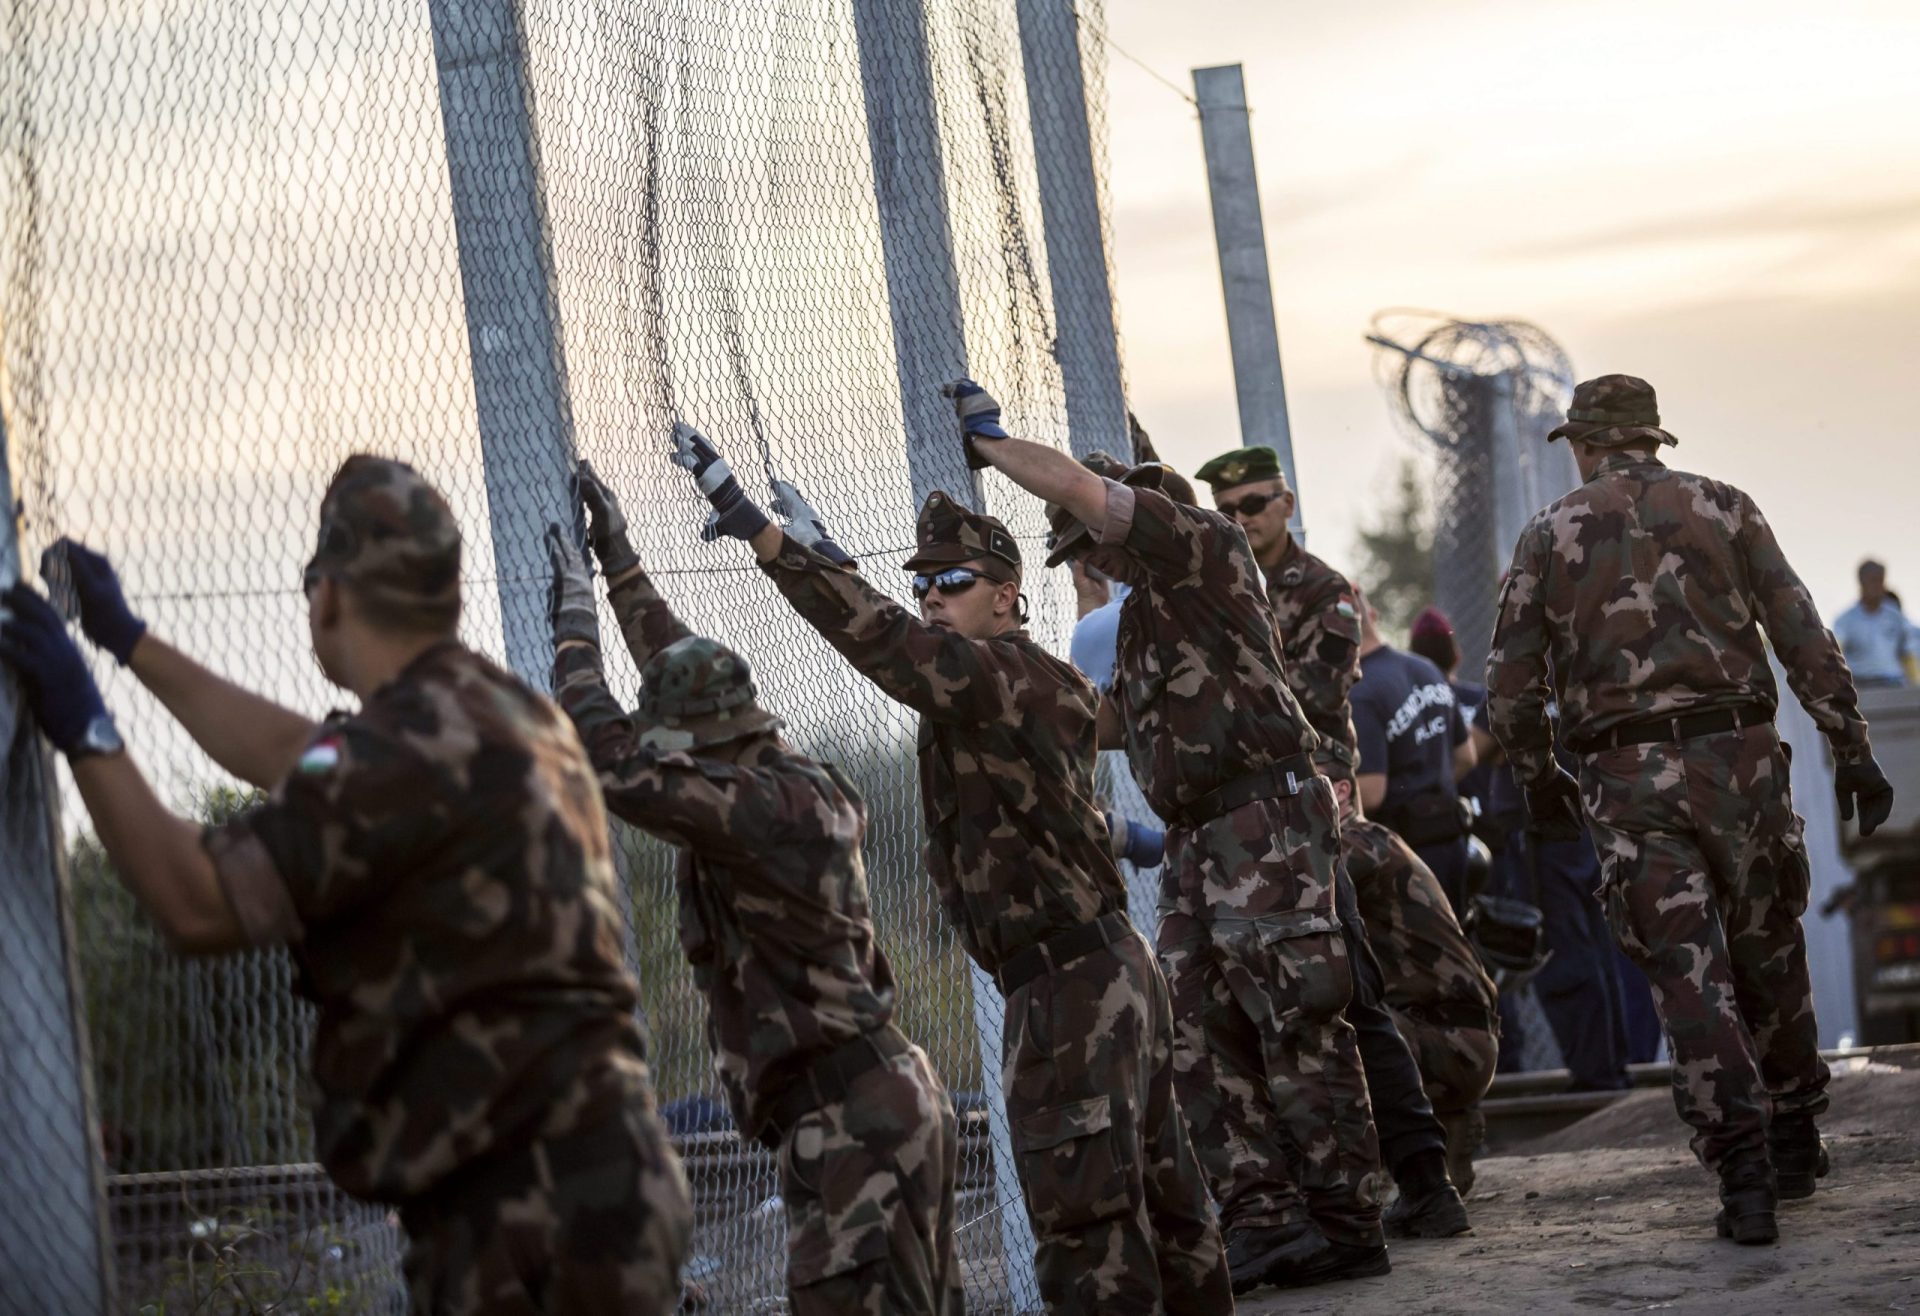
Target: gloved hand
(570, 602)
(979, 417)
(804, 525)
(1553, 807)
(1863, 781)
(734, 514)
(59, 688)
(1138, 844)
(606, 523)
(104, 614)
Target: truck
(1883, 902)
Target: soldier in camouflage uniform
(1638, 600)
(1317, 614)
(1443, 1002)
(1249, 928)
(772, 889)
(1022, 862)
(439, 865)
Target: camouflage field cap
(697, 692)
(949, 531)
(1612, 412)
(390, 535)
(1230, 470)
(1069, 536)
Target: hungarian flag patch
(321, 756)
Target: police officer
(1413, 748)
(438, 864)
(1638, 599)
(1022, 862)
(1317, 615)
(772, 887)
(1248, 925)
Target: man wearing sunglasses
(439, 867)
(1249, 929)
(1021, 860)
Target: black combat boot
(1799, 1155)
(1747, 1201)
(1340, 1261)
(1429, 1206)
(1253, 1253)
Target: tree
(1396, 552)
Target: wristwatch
(100, 737)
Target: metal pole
(54, 1247)
(923, 293)
(1086, 340)
(1240, 234)
(513, 320)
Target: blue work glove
(1863, 781)
(979, 417)
(59, 688)
(1553, 807)
(104, 614)
(606, 523)
(1138, 844)
(804, 525)
(570, 601)
(734, 514)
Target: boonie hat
(391, 536)
(1613, 411)
(697, 692)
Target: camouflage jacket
(1199, 681)
(1015, 843)
(439, 863)
(1424, 956)
(1643, 594)
(771, 880)
(1319, 621)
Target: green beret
(1241, 466)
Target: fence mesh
(244, 241)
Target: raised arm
(250, 736)
(646, 622)
(1046, 473)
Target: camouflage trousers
(868, 1185)
(590, 1223)
(1119, 1208)
(1456, 1061)
(1267, 1067)
(1704, 880)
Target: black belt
(1287, 777)
(830, 1078)
(1682, 726)
(1453, 1014)
(1060, 950)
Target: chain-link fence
(486, 236)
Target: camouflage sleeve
(1807, 650)
(328, 835)
(580, 688)
(932, 670)
(721, 812)
(1323, 660)
(645, 619)
(1166, 538)
(1518, 693)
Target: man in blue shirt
(1413, 748)
(1875, 636)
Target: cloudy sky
(1723, 198)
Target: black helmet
(1511, 939)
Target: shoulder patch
(321, 756)
(1346, 609)
(1293, 575)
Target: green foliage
(1395, 556)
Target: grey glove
(804, 525)
(606, 523)
(734, 514)
(570, 601)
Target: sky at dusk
(1722, 198)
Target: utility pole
(513, 318)
(1240, 235)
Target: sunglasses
(954, 580)
(1251, 505)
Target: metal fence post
(513, 319)
(54, 1249)
(1086, 340)
(923, 293)
(1240, 233)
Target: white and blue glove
(979, 416)
(804, 525)
(734, 514)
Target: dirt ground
(1614, 1214)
